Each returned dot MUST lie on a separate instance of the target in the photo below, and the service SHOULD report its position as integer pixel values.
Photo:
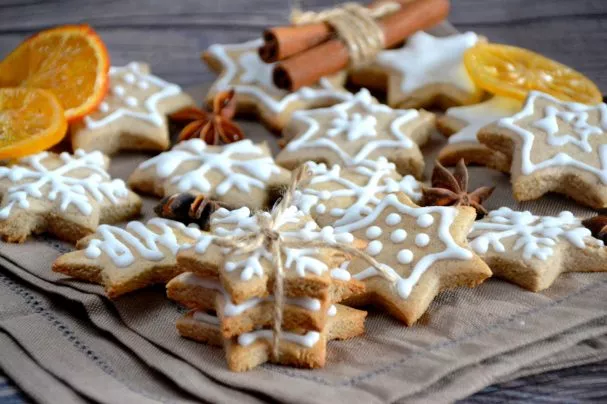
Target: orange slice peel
(31, 120)
(514, 72)
(71, 61)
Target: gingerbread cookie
(65, 194)
(427, 71)
(300, 349)
(554, 146)
(358, 132)
(241, 68)
(123, 260)
(532, 251)
(461, 124)
(133, 114)
(237, 174)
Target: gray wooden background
(169, 35)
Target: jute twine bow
(355, 24)
(270, 238)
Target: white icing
(393, 219)
(354, 127)
(422, 240)
(478, 115)
(307, 340)
(126, 104)
(205, 318)
(243, 165)
(374, 248)
(576, 114)
(426, 59)
(146, 240)
(405, 256)
(315, 137)
(79, 180)
(341, 273)
(536, 236)
(332, 312)
(249, 75)
(398, 236)
(425, 220)
(373, 232)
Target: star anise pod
(213, 127)
(187, 208)
(451, 189)
(597, 226)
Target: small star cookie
(65, 194)
(461, 124)
(124, 260)
(554, 146)
(241, 68)
(425, 72)
(532, 251)
(238, 174)
(358, 132)
(133, 114)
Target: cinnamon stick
(283, 42)
(307, 67)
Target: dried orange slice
(71, 61)
(513, 72)
(31, 120)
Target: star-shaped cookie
(238, 174)
(554, 146)
(241, 68)
(124, 260)
(532, 251)
(133, 114)
(461, 124)
(66, 195)
(426, 71)
(425, 250)
(358, 132)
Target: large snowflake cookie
(65, 194)
(241, 68)
(133, 114)
(358, 132)
(426, 71)
(461, 124)
(554, 146)
(130, 258)
(238, 174)
(532, 251)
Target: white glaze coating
(426, 60)
(124, 104)
(308, 340)
(205, 317)
(123, 246)
(65, 184)
(251, 76)
(315, 138)
(242, 164)
(576, 114)
(535, 236)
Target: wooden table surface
(169, 35)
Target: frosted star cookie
(554, 146)
(133, 114)
(426, 71)
(66, 195)
(124, 260)
(240, 68)
(532, 251)
(252, 349)
(238, 174)
(358, 132)
(461, 124)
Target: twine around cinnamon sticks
(351, 34)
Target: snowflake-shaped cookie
(64, 194)
(241, 68)
(133, 114)
(554, 146)
(123, 260)
(532, 251)
(358, 132)
(239, 174)
(425, 249)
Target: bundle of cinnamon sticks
(305, 53)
